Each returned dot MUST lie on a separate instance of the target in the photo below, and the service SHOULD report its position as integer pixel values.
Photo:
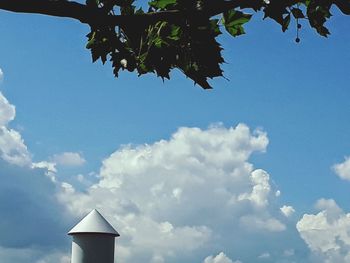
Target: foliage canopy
(169, 34)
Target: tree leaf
(233, 21)
(214, 26)
(161, 4)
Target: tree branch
(343, 5)
(91, 16)
(96, 16)
(56, 8)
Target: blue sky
(263, 156)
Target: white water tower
(93, 240)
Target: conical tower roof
(94, 222)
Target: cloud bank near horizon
(195, 197)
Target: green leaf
(233, 21)
(90, 44)
(161, 4)
(139, 11)
(158, 42)
(92, 40)
(214, 26)
(175, 33)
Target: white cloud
(327, 233)
(174, 197)
(269, 224)
(27, 193)
(343, 169)
(35, 255)
(333, 211)
(7, 111)
(55, 257)
(12, 147)
(1, 75)
(51, 167)
(20, 255)
(287, 210)
(220, 258)
(264, 255)
(261, 188)
(157, 259)
(170, 199)
(70, 159)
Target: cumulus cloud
(172, 200)
(265, 255)
(35, 255)
(175, 196)
(54, 257)
(32, 219)
(22, 255)
(28, 205)
(69, 159)
(7, 111)
(1, 75)
(51, 167)
(261, 188)
(327, 233)
(220, 258)
(269, 224)
(287, 210)
(14, 150)
(12, 146)
(343, 169)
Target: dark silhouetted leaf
(233, 21)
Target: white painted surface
(93, 248)
(94, 222)
(93, 240)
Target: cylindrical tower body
(93, 248)
(93, 240)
